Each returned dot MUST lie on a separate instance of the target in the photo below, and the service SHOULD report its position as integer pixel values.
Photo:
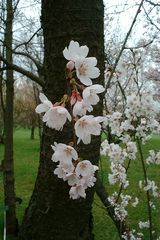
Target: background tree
(9, 188)
(26, 100)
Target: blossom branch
(103, 195)
(147, 192)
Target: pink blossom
(56, 117)
(63, 153)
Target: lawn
(26, 154)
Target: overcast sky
(120, 22)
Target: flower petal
(94, 72)
(98, 88)
(84, 50)
(66, 54)
(41, 108)
(42, 97)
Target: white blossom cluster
(150, 186)
(131, 116)
(55, 115)
(153, 157)
(139, 117)
(117, 156)
(121, 205)
(143, 224)
(132, 235)
(78, 174)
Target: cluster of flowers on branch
(83, 95)
(131, 117)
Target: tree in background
(25, 101)
(9, 188)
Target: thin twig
(124, 44)
(147, 192)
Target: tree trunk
(51, 214)
(9, 190)
(2, 107)
(2, 110)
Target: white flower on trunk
(90, 94)
(72, 179)
(63, 169)
(45, 105)
(59, 171)
(80, 108)
(85, 168)
(77, 192)
(74, 51)
(56, 117)
(86, 70)
(83, 178)
(63, 153)
(89, 181)
(87, 125)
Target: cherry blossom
(75, 96)
(75, 51)
(63, 153)
(153, 157)
(85, 168)
(90, 94)
(86, 126)
(60, 172)
(86, 70)
(77, 192)
(56, 117)
(79, 175)
(143, 224)
(45, 105)
(72, 179)
(83, 178)
(80, 108)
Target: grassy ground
(26, 154)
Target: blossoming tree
(131, 119)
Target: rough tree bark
(9, 190)
(51, 214)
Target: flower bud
(70, 65)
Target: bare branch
(103, 195)
(16, 5)
(23, 71)
(152, 3)
(38, 65)
(124, 44)
(25, 54)
(143, 45)
(150, 20)
(25, 43)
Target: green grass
(26, 155)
